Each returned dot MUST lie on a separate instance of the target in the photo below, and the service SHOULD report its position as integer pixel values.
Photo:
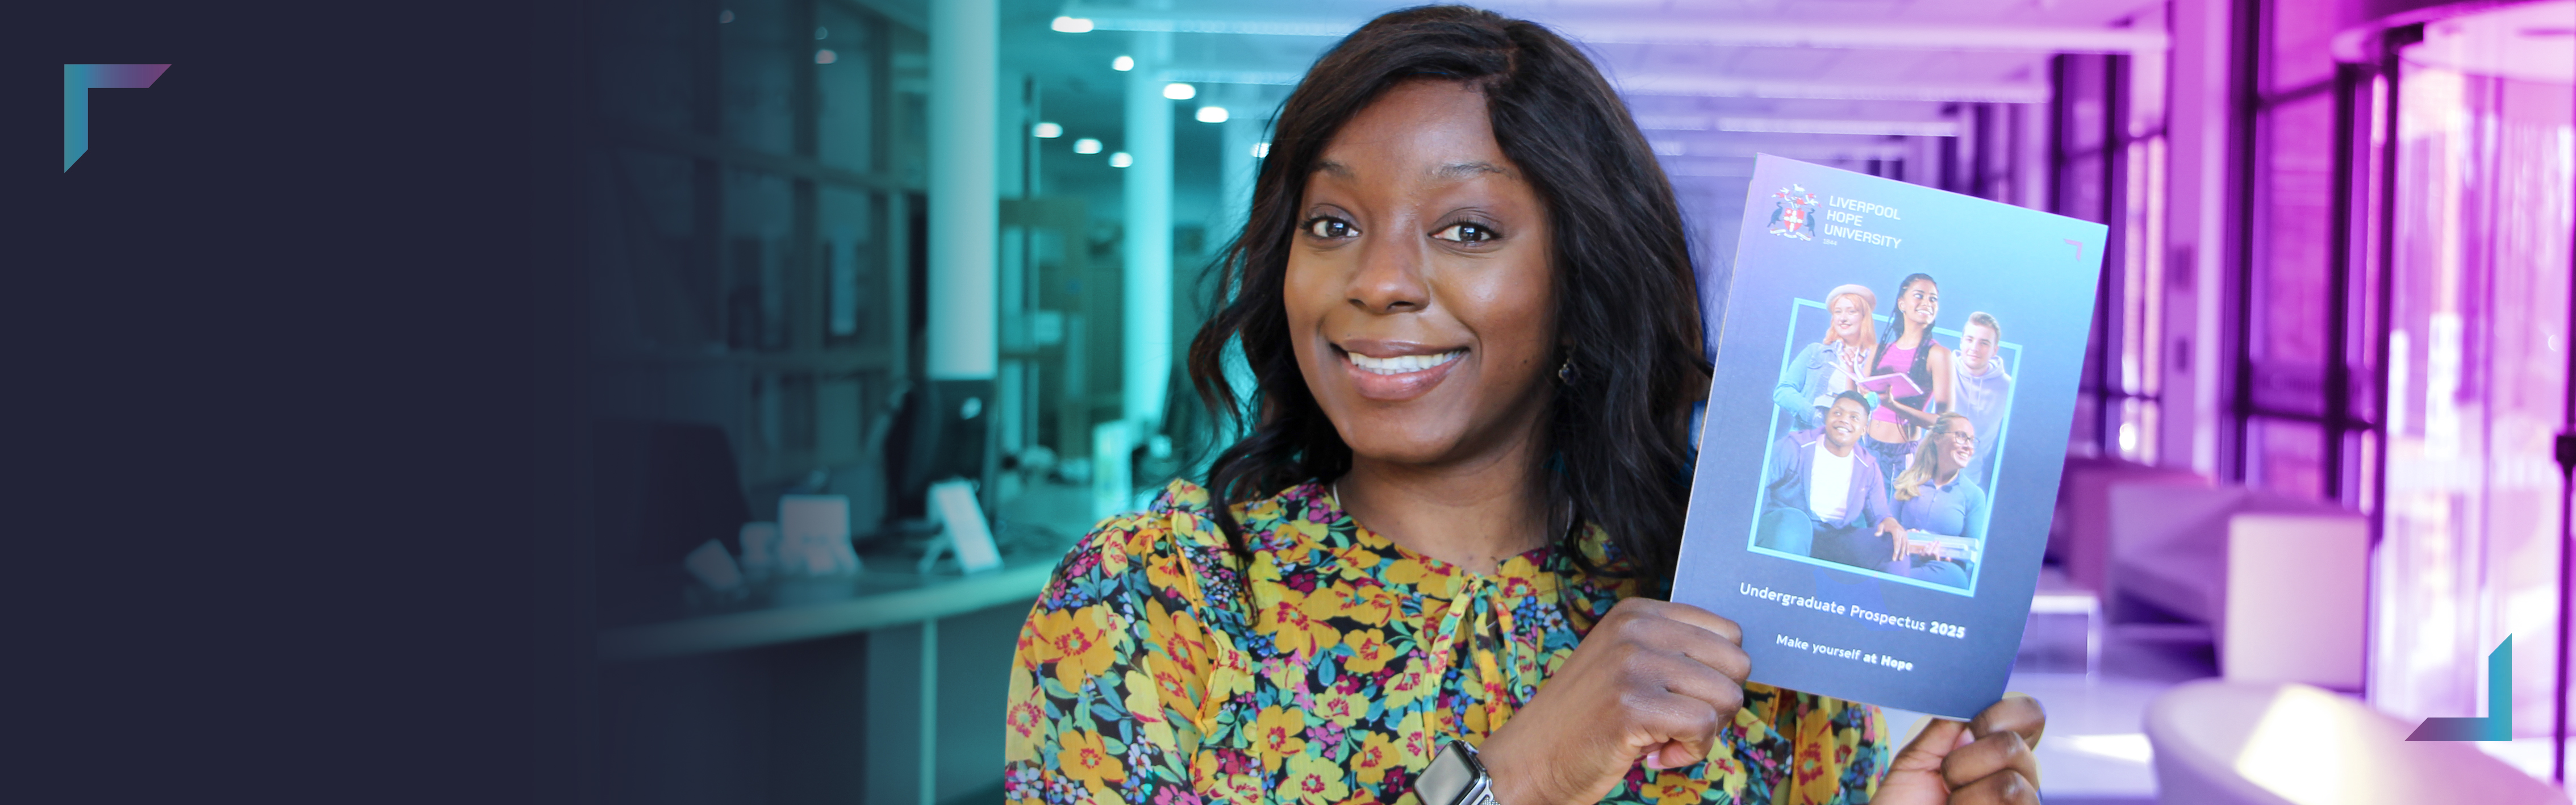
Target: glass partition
(2477, 305)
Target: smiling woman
(1464, 291)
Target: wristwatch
(1456, 777)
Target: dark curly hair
(1626, 298)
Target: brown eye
(1329, 228)
(1466, 233)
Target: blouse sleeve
(1108, 685)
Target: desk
(795, 610)
(870, 601)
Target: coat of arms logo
(1789, 218)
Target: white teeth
(1401, 364)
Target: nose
(1389, 279)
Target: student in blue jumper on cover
(1981, 389)
(1935, 497)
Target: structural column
(964, 208)
(1237, 165)
(1147, 323)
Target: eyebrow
(1454, 170)
(1457, 170)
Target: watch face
(1449, 776)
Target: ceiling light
(1180, 92)
(826, 56)
(1071, 25)
(1086, 145)
(1123, 63)
(1121, 160)
(1048, 131)
(1212, 114)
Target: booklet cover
(1896, 372)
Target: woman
(1924, 362)
(1463, 291)
(1823, 369)
(1934, 496)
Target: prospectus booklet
(1896, 371)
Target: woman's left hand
(1986, 761)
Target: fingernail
(1655, 760)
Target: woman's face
(1920, 301)
(1848, 314)
(1961, 446)
(1419, 293)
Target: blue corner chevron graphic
(78, 80)
(2497, 725)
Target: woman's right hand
(1654, 681)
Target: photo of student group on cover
(1888, 425)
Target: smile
(1403, 364)
(1397, 378)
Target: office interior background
(839, 255)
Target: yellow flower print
(1176, 687)
(1300, 631)
(1188, 643)
(1314, 779)
(1181, 635)
(1083, 757)
(1147, 708)
(1417, 741)
(1304, 532)
(1278, 733)
(1815, 773)
(1672, 786)
(1227, 683)
(1080, 642)
(1284, 675)
(1724, 773)
(1369, 651)
(1226, 786)
(1369, 604)
(1168, 576)
(1263, 568)
(1377, 753)
(1359, 558)
(1407, 571)
(1259, 511)
(1406, 688)
(1341, 708)
(1025, 717)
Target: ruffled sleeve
(1111, 686)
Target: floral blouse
(1157, 667)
